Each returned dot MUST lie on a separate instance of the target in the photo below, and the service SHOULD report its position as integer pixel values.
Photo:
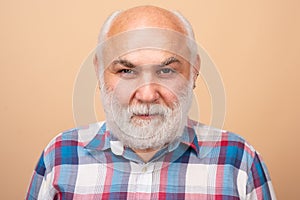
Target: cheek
(121, 90)
(169, 98)
(173, 93)
(112, 85)
(176, 86)
(123, 94)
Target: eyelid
(127, 75)
(122, 70)
(119, 66)
(167, 68)
(170, 72)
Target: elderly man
(147, 63)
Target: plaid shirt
(205, 163)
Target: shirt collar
(97, 137)
(189, 137)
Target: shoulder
(67, 145)
(234, 158)
(224, 147)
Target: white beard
(137, 133)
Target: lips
(145, 116)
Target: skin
(147, 75)
(145, 16)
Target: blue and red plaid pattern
(205, 163)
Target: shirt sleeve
(41, 186)
(259, 185)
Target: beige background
(255, 45)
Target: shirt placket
(141, 181)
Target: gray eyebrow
(169, 61)
(124, 62)
(128, 64)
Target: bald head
(145, 17)
(141, 28)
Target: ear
(196, 69)
(96, 66)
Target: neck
(146, 154)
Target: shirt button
(144, 169)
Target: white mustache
(149, 109)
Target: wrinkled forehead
(146, 38)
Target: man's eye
(166, 71)
(126, 71)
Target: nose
(148, 93)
